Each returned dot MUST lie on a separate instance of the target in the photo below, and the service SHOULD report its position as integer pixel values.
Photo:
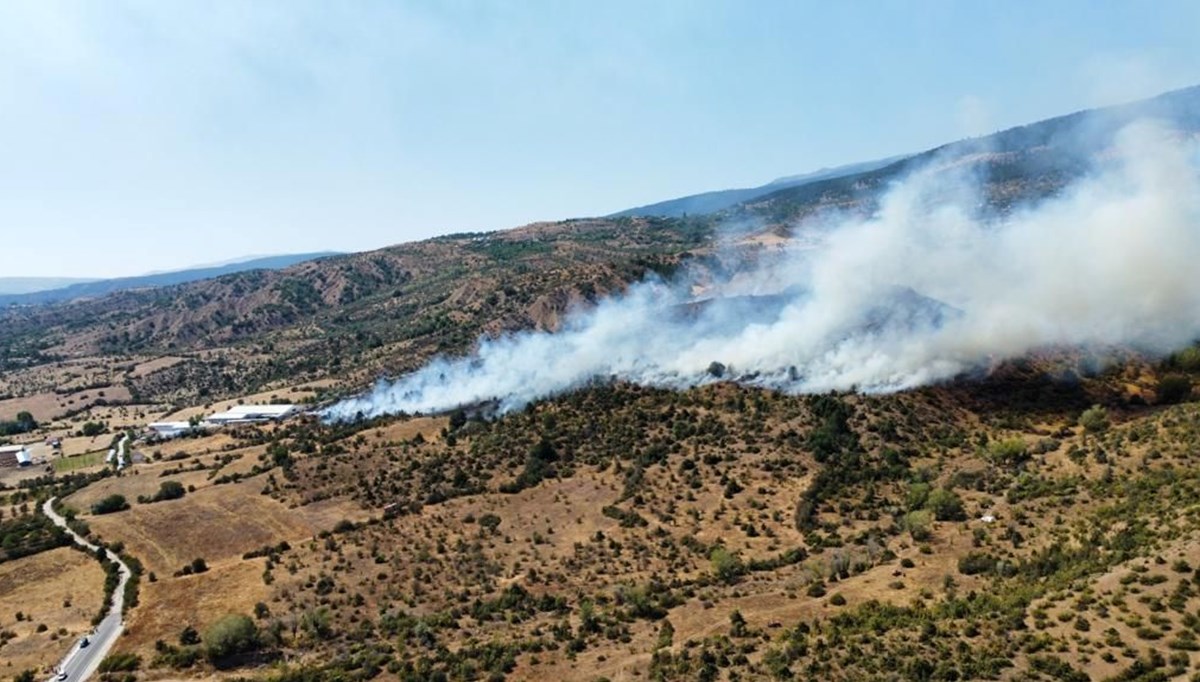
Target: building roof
(166, 426)
(261, 409)
(11, 448)
(254, 412)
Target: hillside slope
(1011, 167)
(711, 202)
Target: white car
(62, 676)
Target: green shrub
(1094, 419)
(231, 635)
(725, 564)
(120, 662)
(946, 505)
(1009, 452)
(1174, 388)
(975, 563)
(110, 504)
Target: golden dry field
(60, 589)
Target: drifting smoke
(920, 292)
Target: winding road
(81, 661)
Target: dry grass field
(216, 523)
(170, 604)
(49, 406)
(60, 589)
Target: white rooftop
(252, 412)
(4, 449)
(161, 426)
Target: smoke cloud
(925, 289)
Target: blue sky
(140, 136)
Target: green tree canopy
(232, 634)
(726, 564)
(946, 505)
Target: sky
(147, 136)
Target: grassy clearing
(83, 461)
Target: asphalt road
(81, 662)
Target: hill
(1014, 166)
(711, 202)
(44, 293)
(1017, 165)
(1033, 519)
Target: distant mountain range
(42, 290)
(711, 202)
(28, 285)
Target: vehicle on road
(62, 676)
(83, 642)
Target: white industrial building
(15, 456)
(252, 414)
(169, 429)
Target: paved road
(81, 662)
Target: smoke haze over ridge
(921, 291)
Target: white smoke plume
(920, 292)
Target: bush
(919, 525)
(975, 563)
(189, 636)
(918, 495)
(169, 490)
(110, 504)
(1174, 388)
(92, 429)
(727, 565)
(1094, 419)
(1187, 359)
(946, 505)
(490, 522)
(1009, 452)
(231, 635)
(120, 662)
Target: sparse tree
(726, 564)
(666, 635)
(231, 635)
(1094, 420)
(737, 624)
(946, 505)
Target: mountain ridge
(92, 288)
